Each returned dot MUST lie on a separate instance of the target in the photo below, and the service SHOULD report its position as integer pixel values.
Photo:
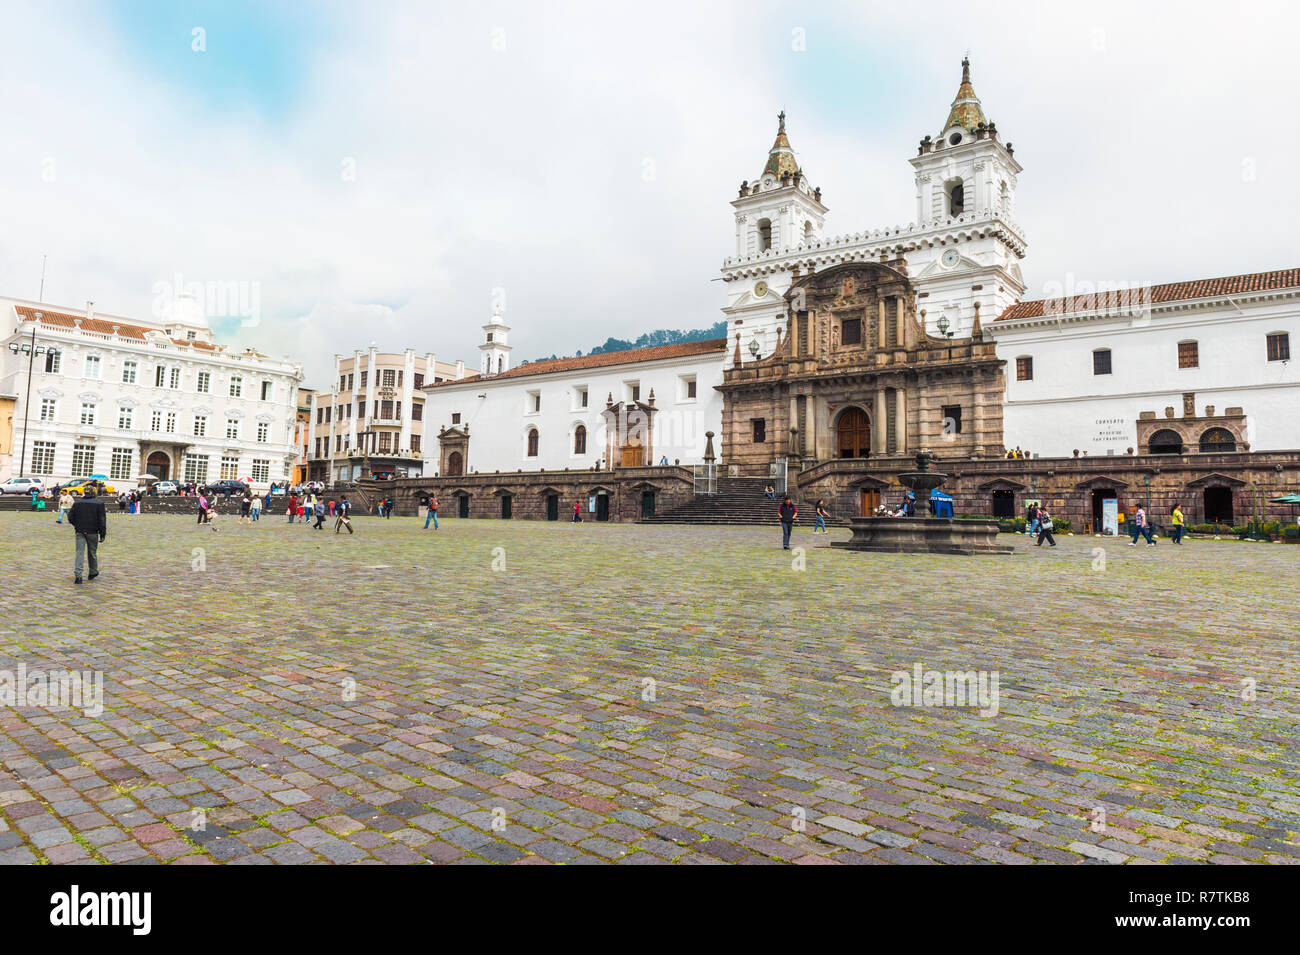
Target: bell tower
(495, 349)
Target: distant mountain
(662, 336)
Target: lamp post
(31, 350)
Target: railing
(706, 478)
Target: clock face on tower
(760, 289)
(950, 258)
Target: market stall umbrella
(99, 477)
(146, 477)
(1286, 499)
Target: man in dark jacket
(787, 512)
(90, 523)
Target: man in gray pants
(90, 523)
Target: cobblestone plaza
(515, 692)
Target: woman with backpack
(1045, 528)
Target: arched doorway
(1218, 439)
(853, 434)
(455, 464)
(159, 465)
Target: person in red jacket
(788, 511)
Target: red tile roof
(602, 360)
(100, 327)
(1156, 294)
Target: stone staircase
(739, 500)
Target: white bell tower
(495, 350)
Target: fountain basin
(923, 535)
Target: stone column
(879, 428)
(881, 325)
(900, 420)
(898, 322)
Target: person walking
(787, 512)
(203, 508)
(1045, 528)
(1031, 520)
(319, 508)
(246, 507)
(342, 511)
(1139, 525)
(255, 507)
(432, 514)
(90, 523)
(65, 505)
(822, 514)
(577, 513)
(1176, 518)
(293, 506)
(388, 508)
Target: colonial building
(125, 396)
(621, 409)
(371, 421)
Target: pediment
(937, 267)
(1101, 483)
(868, 483)
(1002, 484)
(1216, 479)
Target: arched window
(1218, 439)
(956, 198)
(580, 440)
(532, 442)
(1165, 441)
(807, 233)
(501, 365)
(1004, 200)
(764, 234)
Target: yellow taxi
(78, 486)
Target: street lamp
(944, 325)
(31, 350)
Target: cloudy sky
(375, 170)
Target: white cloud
(527, 168)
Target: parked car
(166, 488)
(230, 487)
(22, 485)
(77, 487)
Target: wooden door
(870, 501)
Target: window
(1279, 346)
(397, 411)
(261, 470)
(92, 366)
(417, 411)
(263, 432)
(155, 421)
(52, 362)
(956, 199)
(951, 419)
(174, 379)
(232, 429)
(686, 388)
(419, 380)
(229, 468)
(580, 440)
(160, 376)
(194, 467)
(87, 414)
(1188, 356)
(455, 418)
(1101, 361)
(580, 397)
(532, 442)
(120, 468)
(343, 382)
(128, 372)
(43, 457)
(350, 381)
(200, 425)
(361, 408)
(125, 418)
(533, 402)
(385, 410)
(764, 234)
(399, 379)
(489, 336)
(385, 441)
(83, 459)
(1218, 439)
(49, 408)
(759, 428)
(1025, 368)
(267, 390)
(171, 422)
(807, 232)
(633, 390)
(236, 386)
(363, 378)
(329, 413)
(415, 443)
(851, 331)
(190, 336)
(389, 378)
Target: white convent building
(1081, 370)
(127, 396)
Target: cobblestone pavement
(526, 693)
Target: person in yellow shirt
(1177, 514)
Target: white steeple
(495, 350)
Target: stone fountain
(921, 533)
